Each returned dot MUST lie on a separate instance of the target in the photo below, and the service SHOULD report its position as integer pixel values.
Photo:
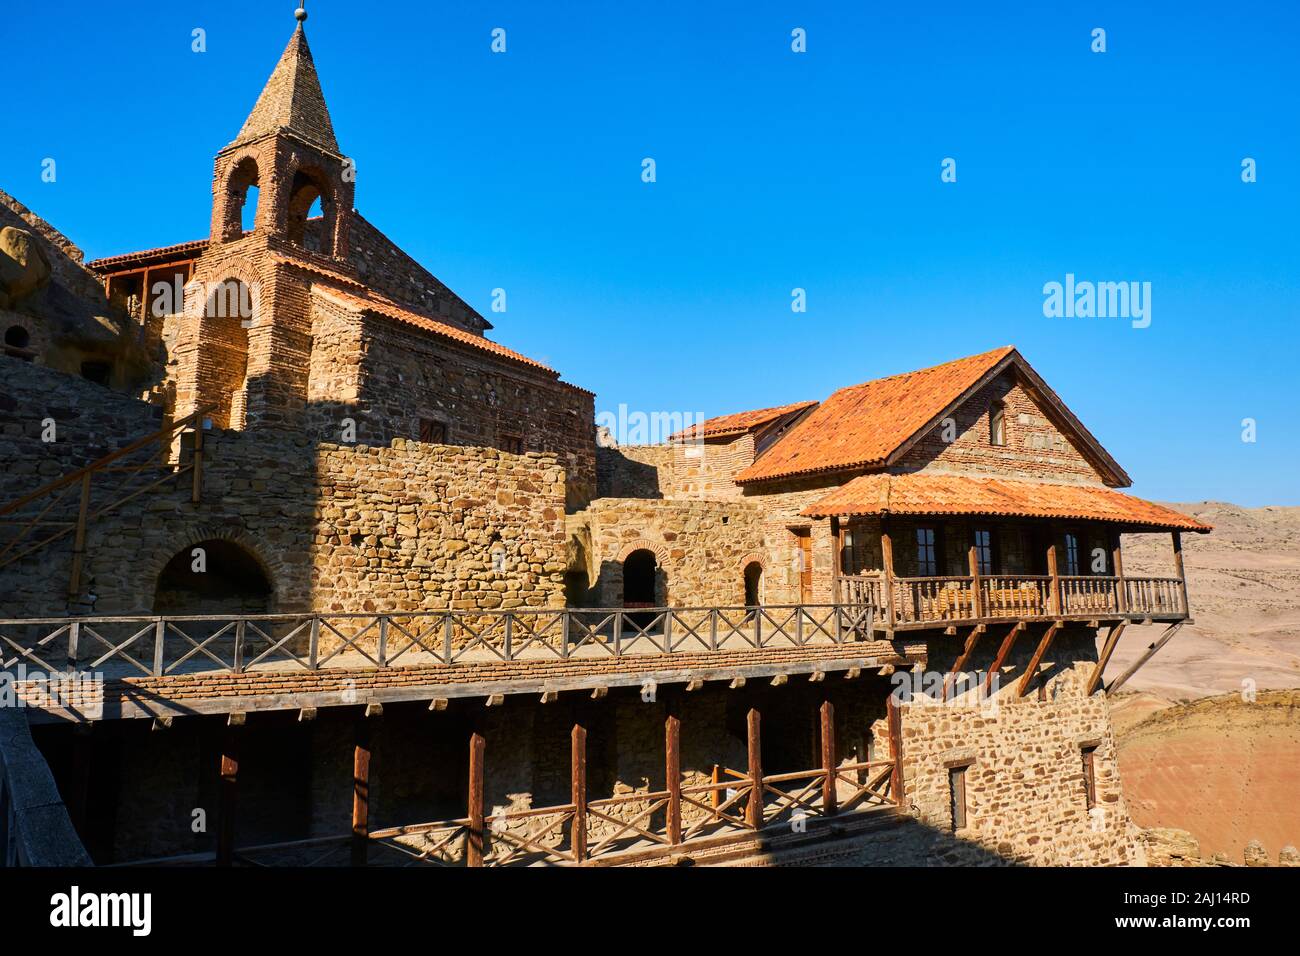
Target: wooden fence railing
(69, 504)
(949, 599)
(167, 646)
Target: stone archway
(214, 576)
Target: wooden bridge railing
(69, 504)
(167, 646)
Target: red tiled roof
(738, 423)
(181, 250)
(927, 494)
(862, 425)
(381, 306)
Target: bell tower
(287, 150)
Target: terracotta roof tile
(862, 425)
(738, 423)
(381, 306)
(180, 250)
(929, 494)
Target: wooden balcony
(950, 600)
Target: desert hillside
(1244, 586)
(1226, 769)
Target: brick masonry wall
(1035, 448)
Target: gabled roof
(922, 493)
(873, 424)
(738, 423)
(292, 100)
(370, 302)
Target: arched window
(213, 577)
(17, 339)
(311, 212)
(241, 187)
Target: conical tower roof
(292, 99)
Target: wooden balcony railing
(952, 599)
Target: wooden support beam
(1150, 653)
(736, 683)
(79, 537)
(1117, 568)
(1000, 658)
(578, 788)
(1054, 598)
(673, 774)
(816, 677)
(163, 722)
(1031, 670)
(550, 696)
(830, 803)
(780, 679)
(887, 559)
(196, 486)
(361, 789)
(599, 693)
(438, 704)
(754, 812)
(306, 715)
(895, 721)
(495, 700)
(1180, 570)
(694, 684)
(959, 664)
(1112, 639)
(474, 844)
(852, 673)
(228, 795)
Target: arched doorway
(753, 584)
(640, 574)
(213, 577)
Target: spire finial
(301, 13)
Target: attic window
(997, 424)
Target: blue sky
(775, 170)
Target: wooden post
(474, 845)
(715, 795)
(1054, 601)
(361, 791)
(887, 559)
(1112, 639)
(830, 802)
(228, 791)
(1117, 565)
(755, 811)
(976, 601)
(1000, 658)
(1180, 570)
(1031, 669)
(79, 540)
(196, 490)
(578, 780)
(673, 774)
(895, 717)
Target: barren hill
(1224, 768)
(1243, 582)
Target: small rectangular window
(927, 560)
(1089, 776)
(513, 444)
(957, 796)
(433, 432)
(983, 542)
(1071, 554)
(997, 424)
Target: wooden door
(803, 539)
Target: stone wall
(701, 548)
